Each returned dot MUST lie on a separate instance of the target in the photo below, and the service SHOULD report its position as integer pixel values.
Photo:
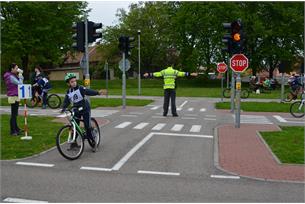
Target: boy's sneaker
(73, 146)
(44, 106)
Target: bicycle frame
(76, 127)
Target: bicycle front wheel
(67, 147)
(288, 97)
(226, 93)
(96, 133)
(297, 109)
(31, 103)
(54, 101)
(244, 93)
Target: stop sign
(222, 67)
(239, 63)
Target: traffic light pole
(106, 69)
(139, 61)
(222, 87)
(237, 113)
(124, 83)
(232, 92)
(87, 75)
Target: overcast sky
(104, 11)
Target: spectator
(38, 74)
(12, 81)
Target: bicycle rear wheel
(54, 101)
(226, 93)
(288, 96)
(31, 103)
(297, 109)
(244, 93)
(68, 148)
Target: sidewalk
(242, 152)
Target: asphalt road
(145, 157)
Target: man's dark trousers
(169, 94)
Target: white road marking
(254, 119)
(155, 116)
(180, 107)
(192, 115)
(159, 173)
(177, 127)
(34, 164)
(155, 108)
(136, 113)
(209, 118)
(159, 126)
(203, 110)
(183, 135)
(195, 128)
(129, 115)
(225, 177)
(280, 119)
(122, 161)
(20, 200)
(123, 125)
(190, 109)
(210, 115)
(94, 168)
(140, 126)
(188, 118)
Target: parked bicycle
(53, 101)
(243, 94)
(70, 139)
(297, 108)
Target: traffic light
(93, 34)
(125, 44)
(237, 37)
(129, 45)
(79, 36)
(226, 39)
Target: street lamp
(139, 62)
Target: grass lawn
(196, 87)
(287, 145)
(257, 106)
(103, 102)
(43, 134)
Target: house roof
(75, 58)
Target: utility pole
(87, 74)
(139, 62)
(106, 69)
(124, 83)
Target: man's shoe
(175, 115)
(164, 115)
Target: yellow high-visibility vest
(169, 75)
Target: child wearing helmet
(77, 96)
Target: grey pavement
(145, 157)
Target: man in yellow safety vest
(169, 75)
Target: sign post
(222, 68)
(25, 92)
(238, 63)
(106, 70)
(124, 66)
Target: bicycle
(297, 108)
(293, 94)
(70, 139)
(243, 94)
(53, 101)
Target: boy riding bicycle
(76, 95)
(45, 86)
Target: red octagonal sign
(239, 63)
(222, 67)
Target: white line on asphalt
(140, 126)
(209, 118)
(180, 107)
(190, 109)
(155, 116)
(182, 135)
(225, 177)
(159, 173)
(155, 108)
(192, 115)
(20, 200)
(94, 168)
(136, 113)
(188, 118)
(280, 119)
(210, 115)
(177, 127)
(123, 125)
(122, 161)
(195, 128)
(159, 126)
(203, 110)
(129, 115)
(34, 164)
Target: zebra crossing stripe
(190, 109)
(203, 110)
(155, 108)
(177, 127)
(140, 126)
(123, 125)
(159, 126)
(195, 128)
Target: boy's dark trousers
(13, 120)
(87, 123)
(169, 94)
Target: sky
(104, 11)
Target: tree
(35, 32)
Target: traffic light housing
(93, 34)
(129, 45)
(237, 37)
(125, 44)
(226, 39)
(79, 36)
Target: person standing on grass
(169, 75)
(12, 81)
